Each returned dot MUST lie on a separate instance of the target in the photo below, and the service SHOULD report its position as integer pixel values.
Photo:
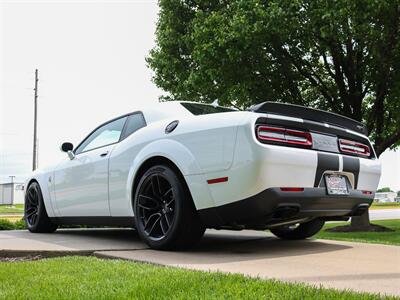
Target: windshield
(204, 109)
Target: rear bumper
(273, 206)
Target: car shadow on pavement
(222, 247)
(217, 246)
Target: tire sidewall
(179, 194)
(33, 227)
(303, 231)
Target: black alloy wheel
(165, 215)
(156, 202)
(35, 215)
(32, 205)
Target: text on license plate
(336, 185)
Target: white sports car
(174, 169)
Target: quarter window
(134, 122)
(107, 134)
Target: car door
(81, 183)
(120, 164)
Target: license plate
(336, 185)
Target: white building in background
(11, 193)
(385, 197)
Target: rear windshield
(204, 109)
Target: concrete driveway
(341, 265)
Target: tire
(302, 231)
(165, 215)
(35, 214)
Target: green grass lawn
(8, 209)
(92, 278)
(390, 238)
(387, 205)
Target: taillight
(354, 148)
(292, 189)
(285, 136)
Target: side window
(107, 134)
(134, 122)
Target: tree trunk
(361, 221)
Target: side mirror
(68, 147)
(65, 147)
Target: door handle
(104, 154)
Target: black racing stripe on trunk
(352, 165)
(326, 162)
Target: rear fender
(183, 160)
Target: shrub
(20, 224)
(6, 225)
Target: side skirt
(95, 221)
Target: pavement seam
(58, 253)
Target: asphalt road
(384, 214)
(342, 265)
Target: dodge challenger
(176, 168)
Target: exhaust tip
(360, 209)
(286, 211)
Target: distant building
(385, 197)
(11, 193)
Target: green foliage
(385, 205)
(8, 225)
(384, 190)
(19, 225)
(341, 56)
(10, 209)
(388, 238)
(92, 278)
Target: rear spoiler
(311, 114)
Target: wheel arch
(30, 181)
(154, 161)
(40, 179)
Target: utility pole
(34, 164)
(12, 189)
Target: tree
(384, 190)
(342, 56)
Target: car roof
(169, 110)
(165, 110)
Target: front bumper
(273, 206)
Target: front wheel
(298, 231)
(165, 215)
(36, 217)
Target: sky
(91, 61)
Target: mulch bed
(370, 228)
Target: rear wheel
(298, 231)
(36, 217)
(165, 215)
